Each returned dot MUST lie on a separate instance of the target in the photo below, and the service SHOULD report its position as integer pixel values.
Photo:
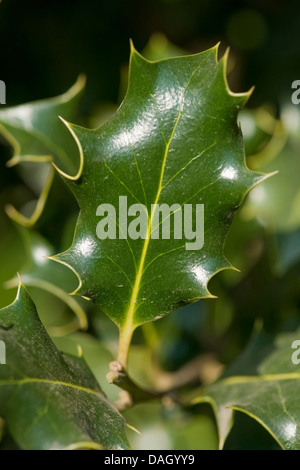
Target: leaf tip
(137, 55)
(224, 265)
(133, 51)
(129, 426)
(76, 177)
(79, 351)
(20, 286)
(80, 82)
(57, 259)
(233, 268)
(75, 90)
(13, 161)
(131, 45)
(86, 298)
(269, 175)
(217, 47)
(20, 293)
(19, 218)
(212, 296)
(261, 177)
(242, 97)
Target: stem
(171, 386)
(118, 376)
(133, 394)
(124, 345)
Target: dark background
(45, 45)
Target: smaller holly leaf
(262, 383)
(276, 204)
(39, 272)
(37, 135)
(263, 134)
(50, 400)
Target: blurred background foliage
(45, 46)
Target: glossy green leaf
(50, 400)
(38, 136)
(174, 139)
(263, 383)
(96, 354)
(264, 137)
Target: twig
(135, 394)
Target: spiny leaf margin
(50, 400)
(86, 138)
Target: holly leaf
(39, 272)
(276, 204)
(174, 140)
(263, 135)
(262, 383)
(50, 400)
(38, 136)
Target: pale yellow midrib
(128, 327)
(247, 379)
(30, 380)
